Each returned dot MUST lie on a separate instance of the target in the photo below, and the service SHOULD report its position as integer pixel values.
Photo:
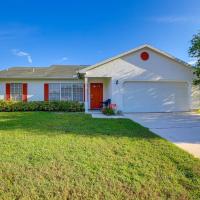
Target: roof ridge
(61, 71)
(38, 67)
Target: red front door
(96, 95)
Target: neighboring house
(144, 79)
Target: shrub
(58, 106)
(108, 111)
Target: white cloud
(63, 59)
(22, 54)
(192, 61)
(176, 19)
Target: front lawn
(72, 156)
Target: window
(66, 92)
(54, 91)
(78, 92)
(16, 91)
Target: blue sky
(41, 33)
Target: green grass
(72, 156)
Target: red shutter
(46, 91)
(7, 91)
(24, 92)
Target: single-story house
(143, 79)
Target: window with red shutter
(25, 92)
(46, 91)
(7, 91)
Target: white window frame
(53, 93)
(71, 90)
(81, 98)
(78, 93)
(16, 91)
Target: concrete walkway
(183, 129)
(98, 114)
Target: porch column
(86, 95)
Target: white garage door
(155, 97)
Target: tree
(194, 51)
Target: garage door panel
(155, 97)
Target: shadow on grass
(44, 123)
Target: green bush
(58, 106)
(108, 111)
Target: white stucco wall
(35, 87)
(132, 68)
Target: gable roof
(52, 72)
(135, 50)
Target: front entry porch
(96, 91)
(96, 95)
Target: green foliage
(64, 106)
(194, 51)
(47, 155)
(108, 111)
(196, 81)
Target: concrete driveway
(183, 129)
